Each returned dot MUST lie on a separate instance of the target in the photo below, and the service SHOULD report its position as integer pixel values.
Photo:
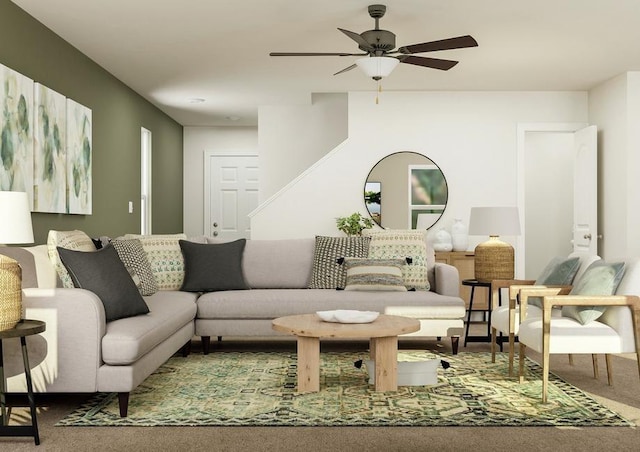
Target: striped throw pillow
(375, 274)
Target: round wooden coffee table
(383, 345)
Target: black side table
(23, 329)
(473, 283)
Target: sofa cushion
(327, 272)
(165, 257)
(210, 267)
(103, 273)
(401, 244)
(127, 340)
(600, 278)
(293, 258)
(272, 303)
(374, 274)
(137, 264)
(71, 240)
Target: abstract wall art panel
(49, 151)
(79, 156)
(16, 132)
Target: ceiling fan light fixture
(377, 67)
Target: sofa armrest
(447, 280)
(67, 355)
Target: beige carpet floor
(623, 397)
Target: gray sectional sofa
(81, 352)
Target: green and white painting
(16, 132)
(49, 151)
(79, 149)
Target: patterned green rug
(259, 389)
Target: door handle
(215, 233)
(215, 225)
(587, 236)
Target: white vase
(442, 241)
(459, 235)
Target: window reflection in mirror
(404, 189)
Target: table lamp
(494, 259)
(15, 228)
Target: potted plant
(353, 224)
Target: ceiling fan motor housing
(381, 40)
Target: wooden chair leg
(607, 359)
(512, 352)
(594, 360)
(521, 357)
(494, 333)
(570, 359)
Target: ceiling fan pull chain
(378, 92)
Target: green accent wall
(28, 47)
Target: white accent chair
(616, 331)
(505, 319)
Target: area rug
(259, 389)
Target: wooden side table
(23, 329)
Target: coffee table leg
(308, 364)
(385, 350)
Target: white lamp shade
(15, 218)
(494, 221)
(377, 67)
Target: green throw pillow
(559, 271)
(599, 279)
(375, 274)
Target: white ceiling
(171, 51)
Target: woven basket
(10, 293)
(493, 260)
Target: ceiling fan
(381, 44)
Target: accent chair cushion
(560, 271)
(402, 244)
(374, 274)
(327, 273)
(103, 273)
(213, 267)
(600, 278)
(137, 264)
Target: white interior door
(585, 191)
(231, 193)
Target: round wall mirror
(406, 190)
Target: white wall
(292, 138)
(197, 140)
(614, 107)
(471, 135)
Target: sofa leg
(206, 342)
(438, 338)
(123, 401)
(186, 349)
(455, 341)
(219, 338)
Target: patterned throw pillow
(327, 272)
(599, 279)
(135, 260)
(560, 271)
(401, 244)
(165, 257)
(71, 240)
(374, 274)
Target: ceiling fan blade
(444, 44)
(346, 69)
(435, 63)
(362, 43)
(316, 54)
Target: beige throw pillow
(71, 240)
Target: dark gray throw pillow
(213, 267)
(103, 273)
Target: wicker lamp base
(10, 293)
(494, 260)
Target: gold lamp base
(494, 260)
(10, 293)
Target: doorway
(231, 193)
